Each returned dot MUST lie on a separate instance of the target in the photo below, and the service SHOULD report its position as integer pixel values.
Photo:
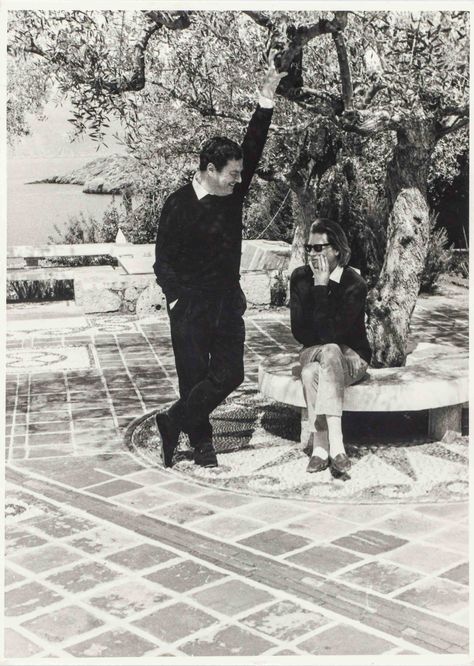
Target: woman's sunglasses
(318, 247)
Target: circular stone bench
(434, 378)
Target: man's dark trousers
(208, 334)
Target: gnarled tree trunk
(391, 302)
(317, 154)
(304, 203)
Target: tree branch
(452, 124)
(136, 81)
(368, 123)
(177, 20)
(461, 111)
(260, 19)
(32, 48)
(344, 68)
(317, 101)
(271, 175)
(372, 91)
(302, 34)
(203, 109)
(288, 40)
(305, 33)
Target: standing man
(198, 249)
(327, 301)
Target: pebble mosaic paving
(108, 556)
(258, 445)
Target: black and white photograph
(236, 366)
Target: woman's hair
(336, 236)
(219, 150)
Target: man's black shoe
(169, 435)
(205, 456)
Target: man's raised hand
(272, 76)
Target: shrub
(36, 290)
(77, 230)
(278, 289)
(438, 258)
(80, 229)
(141, 223)
(460, 259)
(463, 268)
(268, 213)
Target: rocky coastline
(104, 175)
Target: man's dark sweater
(199, 241)
(329, 314)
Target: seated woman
(327, 300)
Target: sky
(51, 138)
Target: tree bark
(391, 302)
(393, 299)
(317, 153)
(345, 196)
(304, 203)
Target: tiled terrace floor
(108, 558)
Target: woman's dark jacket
(333, 313)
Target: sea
(34, 210)
(49, 150)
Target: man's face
(330, 253)
(223, 181)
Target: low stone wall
(131, 294)
(131, 287)
(141, 295)
(262, 264)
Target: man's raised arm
(257, 131)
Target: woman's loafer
(317, 464)
(340, 464)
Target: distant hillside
(104, 175)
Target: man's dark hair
(336, 237)
(218, 151)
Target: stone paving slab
(355, 642)
(380, 577)
(29, 597)
(232, 641)
(184, 576)
(324, 559)
(232, 597)
(162, 623)
(285, 620)
(443, 597)
(115, 643)
(107, 557)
